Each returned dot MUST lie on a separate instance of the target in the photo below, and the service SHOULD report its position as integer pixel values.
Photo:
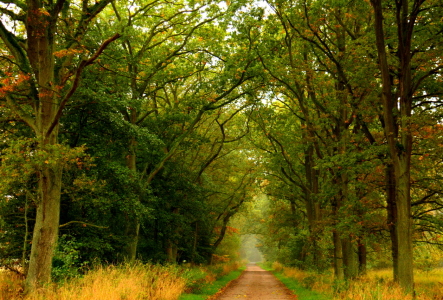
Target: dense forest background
(154, 130)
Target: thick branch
(76, 81)
(13, 46)
(83, 223)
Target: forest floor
(258, 284)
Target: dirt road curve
(258, 284)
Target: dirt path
(258, 284)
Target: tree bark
(40, 32)
(132, 225)
(171, 252)
(172, 244)
(132, 231)
(362, 258)
(312, 206)
(350, 265)
(392, 216)
(194, 244)
(338, 256)
(397, 111)
(45, 235)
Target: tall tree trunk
(40, 53)
(349, 259)
(45, 235)
(362, 258)
(171, 252)
(338, 256)
(392, 216)
(171, 245)
(397, 111)
(194, 244)
(132, 231)
(312, 206)
(404, 227)
(338, 249)
(350, 265)
(349, 256)
(132, 225)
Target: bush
(199, 277)
(196, 278)
(276, 266)
(309, 281)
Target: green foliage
(209, 289)
(66, 262)
(195, 278)
(17, 214)
(301, 289)
(202, 108)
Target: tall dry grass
(277, 266)
(376, 285)
(232, 266)
(366, 289)
(10, 285)
(198, 277)
(108, 283)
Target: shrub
(276, 266)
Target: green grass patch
(212, 288)
(296, 287)
(299, 290)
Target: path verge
(296, 287)
(211, 290)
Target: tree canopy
(147, 129)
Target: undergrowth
(125, 282)
(376, 285)
(295, 280)
(214, 282)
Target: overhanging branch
(76, 82)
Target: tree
(318, 77)
(402, 81)
(45, 68)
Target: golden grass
(10, 285)
(428, 285)
(113, 283)
(276, 266)
(232, 266)
(376, 285)
(295, 273)
(370, 290)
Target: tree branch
(22, 114)
(83, 223)
(76, 81)
(16, 50)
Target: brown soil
(258, 284)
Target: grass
(213, 288)
(293, 279)
(376, 285)
(299, 290)
(10, 285)
(379, 285)
(127, 282)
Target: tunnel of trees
(138, 130)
